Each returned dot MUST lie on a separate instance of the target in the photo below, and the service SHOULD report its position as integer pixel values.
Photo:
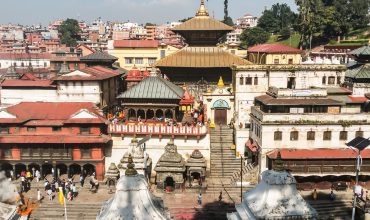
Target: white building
(234, 36)
(24, 60)
(254, 80)
(247, 21)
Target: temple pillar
(99, 169)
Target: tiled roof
(322, 153)
(269, 100)
(348, 98)
(67, 139)
(94, 73)
(17, 56)
(50, 112)
(99, 56)
(360, 71)
(365, 50)
(202, 23)
(201, 57)
(27, 83)
(153, 88)
(273, 48)
(136, 43)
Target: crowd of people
(68, 188)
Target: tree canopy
(279, 17)
(253, 36)
(70, 32)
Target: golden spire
(130, 171)
(202, 11)
(220, 83)
(134, 140)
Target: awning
(252, 146)
(322, 153)
(53, 139)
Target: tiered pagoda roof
(361, 70)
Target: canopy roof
(201, 57)
(153, 87)
(99, 56)
(359, 71)
(362, 51)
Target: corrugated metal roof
(202, 23)
(153, 88)
(361, 71)
(322, 153)
(274, 48)
(269, 100)
(365, 50)
(201, 57)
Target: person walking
(38, 195)
(50, 194)
(28, 175)
(314, 194)
(33, 172)
(200, 199)
(38, 175)
(82, 180)
(220, 197)
(74, 191)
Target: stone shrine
(170, 168)
(112, 175)
(141, 160)
(196, 167)
(132, 199)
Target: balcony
(309, 118)
(160, 130)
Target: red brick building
(69, 138)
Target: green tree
(70, 32)
(359, 13)
(280, 16)
(185, 19)
(229, 21)
(253, 36)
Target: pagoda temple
(200, 64)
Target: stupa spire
(220, 83)
(130, 171)
(202, 11)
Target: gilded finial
(202, 11)
(130, 171)
(220, 83)
(134, 140)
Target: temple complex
(170, 168)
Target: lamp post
(358, 144)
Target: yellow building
(274, 54)
(139, 53)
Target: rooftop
(321, 153)
(136, 43)
(94, 73)
(99, 56)
(27, 83)
(269, 100)
(273, 48)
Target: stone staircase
(332, 210)
(76, 211)
(250, 174)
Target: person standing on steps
(220, 197)
(200, 199)
(82, 180)
(314, 194)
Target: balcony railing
(357, 118)
(150, 129)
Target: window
(278, 135)
(4, 130)
(248, 81)
(163, 53)
(139, 60)
(57, 129)
(31, 129)
(85, 152)
(327, 136)
(84, 130)
(22, 64)
(151, 60)
(331, 80)
(276, 61)
(241, 81)
(310, 135)
(324, 80)
(45, 64)
(343, 135)
(256, 80)
(359, 134)
(128, 60)
(290, 61)
(294, 135)
(6, 151)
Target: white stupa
(132, 199)
(275, 197)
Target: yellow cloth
(61, 196)
(28, 174)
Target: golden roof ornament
(130, 171)
(202, 11)
(220, 83)
(134, 140)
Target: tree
(226, 10)
(70, 32)
(229, 21)
(359, 13)
(253, 36)
(150, 24)
(280, 16)
(185, 19)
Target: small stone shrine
(170, 168)
(196, 169)
(141, 160)
(275, 197)
(132, 199)
(112, 175)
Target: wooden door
(221, 116)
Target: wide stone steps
(332, 209)
(78, 211)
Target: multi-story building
(255, 80)
(151, 32)
(274, 54)
(234, 37)
(140, 53)
(24, 60)
(247, 21)
(69, 138)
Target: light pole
(359, 143)
(241, 178)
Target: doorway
(220, 116)
(169, 184)
(291, 83)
